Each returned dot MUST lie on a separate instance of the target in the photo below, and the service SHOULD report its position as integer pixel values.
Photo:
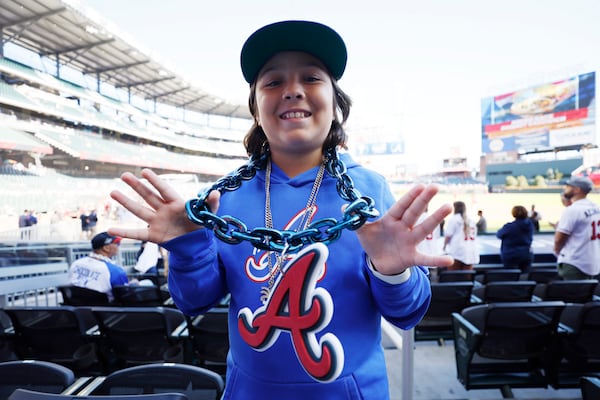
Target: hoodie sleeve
(403, 304)
(196, 280)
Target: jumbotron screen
(542, 117)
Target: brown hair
(519, 212)
(256, 142)
(461, 208)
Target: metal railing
(31, 273)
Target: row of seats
(39, 380)
(124, 296)
(539, 274)
(99, 340)
(42, 380)
(527, 344)
(452, 297)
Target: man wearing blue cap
(577, 237)
(98, 271)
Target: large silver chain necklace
(231, 230)
(309, 210)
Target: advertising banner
(541, 117)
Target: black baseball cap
(313, 38)
(103, 239)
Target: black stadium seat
(56, 334)
(80, 296)
(446, 299)
(209, 337)
(24, 394)
(42, 376)
(572, 291)
(132, 336)
(506, 345)
(195, 382)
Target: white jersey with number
(462, 245)
(581, 221)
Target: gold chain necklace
(309, 210)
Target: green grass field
(496, 207)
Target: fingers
(137, 209)
(433, 220)
(166, 191)
(434, 261)
(136, 234)
(410, 206)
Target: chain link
(326, 230)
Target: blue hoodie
(516, 237)
(318, 335)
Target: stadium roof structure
(73, 36)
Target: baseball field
(497, 207)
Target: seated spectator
(98, 271)
(148, 258)
(516, 237)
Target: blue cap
(581, 182)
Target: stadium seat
(195, 382)
(132, 336)
(579, 344)
(138, 296)
(209, 337)
(506, 345)
(42, 376)
(456, 276)
(56, 334)
(495, 292)
(499, 275)
(446, 298)
(80, 296)
(24, 394)
(572, 291)
(543, 275)
(590, 388)
(6, 343)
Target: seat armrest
(181, 330)
(476, 299)
(466, 340)
(564, 329)
(93, 385)
(462, 323)
(77, 386)
(93, 331)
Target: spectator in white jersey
(577, 237)
(98, 271)
(460, 235)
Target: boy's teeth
(294, 115)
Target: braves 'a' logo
(298, 307)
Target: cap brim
(310, 37)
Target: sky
(417, 70)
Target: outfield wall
(496, 173)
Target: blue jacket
(319, 334)
(516, 237)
